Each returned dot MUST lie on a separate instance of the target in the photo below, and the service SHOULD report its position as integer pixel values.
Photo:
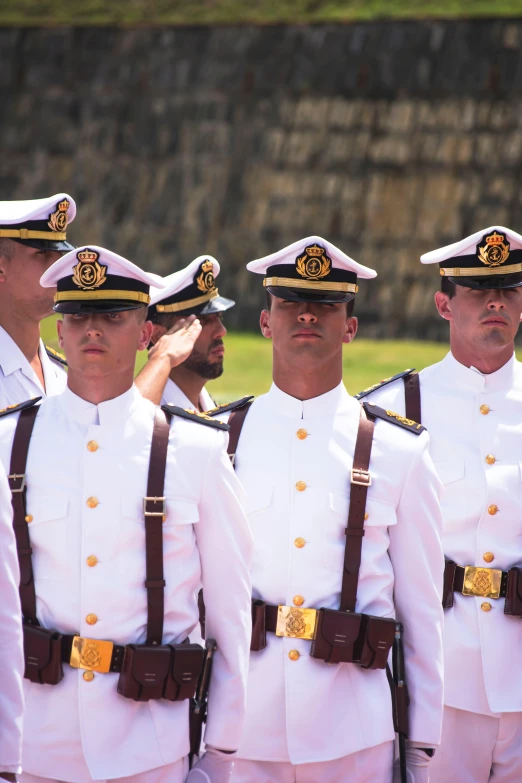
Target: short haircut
(448, 287)
(349, 305)
(167, 320)
(141, 313)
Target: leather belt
(477, 581)
(271, 618)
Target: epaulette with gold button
(19, 406)
(228, 406)
(374, 411)
(191, 415)
(385, 382)
(56, 356)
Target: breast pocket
(450, 470)
(51, 534)
(379, 517)
(259, 508)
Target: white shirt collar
(106, 414)
(324, 405)
(173, 394)
(473, 379)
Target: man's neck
(305, 383)
(189, 382)
(485, 362)
(99, 389)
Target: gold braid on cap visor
(133, 296)
(480, 271)
(25, 233)
(292, 282)
(188, 303)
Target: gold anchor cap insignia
(58, 219)
(313, 264)
(205, 281)
(493, 250)
(88, 273)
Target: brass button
(484, 409)
(91, 619)
(490, 459)
(92, 502)
(366, 516)
(88, 676)
(294, 655)
(298, 600)
(29, 518)
(489, 557)
(301, 434)
(92, 445)
(486, 606)
(300, 486)
(492, 509)
(92, 560)
(299, 542)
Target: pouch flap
(380, 633)
(340, 629)
(150, 665)
(38, 646)
(187, 662)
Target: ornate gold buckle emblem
(296, 623)
(483, 582)
(91, 654)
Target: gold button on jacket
(91, 619)
(492, 509)
(484, 409)
(489, 557)
(300, 486)
(294, 655)
(490, 459)
(88, 676)
(92, 445)
(301, 434)
(486, 606)
(92, 560)
(298, 600)
(92, 502)
(299, 542)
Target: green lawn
(248, 362)
(206, 12)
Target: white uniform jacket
(18, 380)
(305, 710)
(175, 396)
(11, 644)
(81, 729)
(470, 416)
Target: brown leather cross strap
(18, 487)
(154, 510)
(412, 397)
(235, 422)
(360, 481)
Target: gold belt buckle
(483, 582)
(91, 654)
(296, 623)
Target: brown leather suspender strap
(235, 422)
(360, 481)
(412, 397)
(17, 485)
(154, 510)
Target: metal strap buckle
(17, 477)
(296, 623)
(482, 582)
(361, 477)
(161, 513)
(91, 654)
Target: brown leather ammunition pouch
(160, 672)
(258, 641)
(513, 605)
(336, 634)
(375, 641)
(43, 655)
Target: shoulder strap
(56, 356)
(412, 397)
(197, 416)
(360, 481)
(385, 382)
(154, 510)
(228, 406)
(235, 423)
(18, 487)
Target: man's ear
(145, 335)
(351, 329)
(443, 305)
(264, 324)
(59, 327)
(157, 331)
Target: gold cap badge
(58, 219)
(493, 250)
(205, 281)
(88, 273)
(314, 263)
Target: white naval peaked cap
(490, 258)
(191, 290)
(93, 279)
(40, 223)
(311, 269)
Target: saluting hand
(176, 345)
(214, 766)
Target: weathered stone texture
(390, 139)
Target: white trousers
(372, 765)
(478, 748)
(171, 773)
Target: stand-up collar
(473, 379)
(107, 414)
(324, 405)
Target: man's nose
(93, 327)
(497, 302)
(307, 317)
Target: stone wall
(389, 138)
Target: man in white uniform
(11, 649)
(308, 721)
(117, 559)
(188, 294)
(33, 235)
(471, 404)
